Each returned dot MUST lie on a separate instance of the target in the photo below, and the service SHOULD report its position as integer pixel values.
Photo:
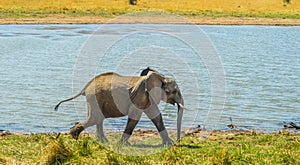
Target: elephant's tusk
(181, 106)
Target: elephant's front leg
(134, 116)
(156, 118)
(131, 123)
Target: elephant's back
(108, 81)
(101, 81)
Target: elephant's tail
(68, 99)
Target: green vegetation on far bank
(36, 13)
(219, 148)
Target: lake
(43, 64)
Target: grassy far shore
(63, 11)
(230, 147)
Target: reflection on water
(261, 64)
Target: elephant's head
(173, 96)
(156, 87)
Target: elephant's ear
(154, 79)
(138, 89)
(139, 93)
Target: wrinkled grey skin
(111, 95)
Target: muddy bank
(142, 134)
(154, 20)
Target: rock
(192, 131)
(4, 133)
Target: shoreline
(154, 20)
(148, 133)
(291, 127)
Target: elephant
(111, 95)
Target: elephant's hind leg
(76, 130)
(100, 134)
(95, 116)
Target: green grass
(219, 148)
(36, 13)
(111, 13)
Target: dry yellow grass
(225, 5)
(61, 4)
(185, 7)
(252, 12)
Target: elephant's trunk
(180, 106)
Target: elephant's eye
(167, 92)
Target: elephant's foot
(166, 141)
(76, 130)
(124, 139)
(101, 139)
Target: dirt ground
(153, 20)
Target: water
(38, 64)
